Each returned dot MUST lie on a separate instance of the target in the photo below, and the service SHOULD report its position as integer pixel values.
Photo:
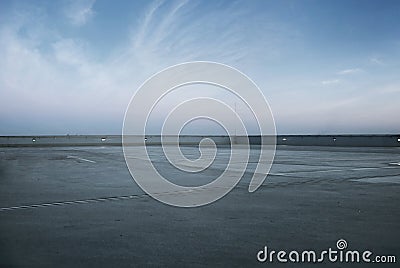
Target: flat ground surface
(78, 206)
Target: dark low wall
(67, 140)
(340, 140)
(116, 140)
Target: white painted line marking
(82, 159)
(365, 168)
(328, 170)
(75, 202)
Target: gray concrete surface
(79, 207)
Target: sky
(325, 67)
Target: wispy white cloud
(350, 71)
(168, 23)
(377, 61)
(79, 12)
(140, 33)
(330, 82)
(174, 31)
(69, 51)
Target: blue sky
(324, 66)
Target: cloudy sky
(324, 66)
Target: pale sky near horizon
(324, 66)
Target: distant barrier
(293, 140)
(65, 140)
(341, 140)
